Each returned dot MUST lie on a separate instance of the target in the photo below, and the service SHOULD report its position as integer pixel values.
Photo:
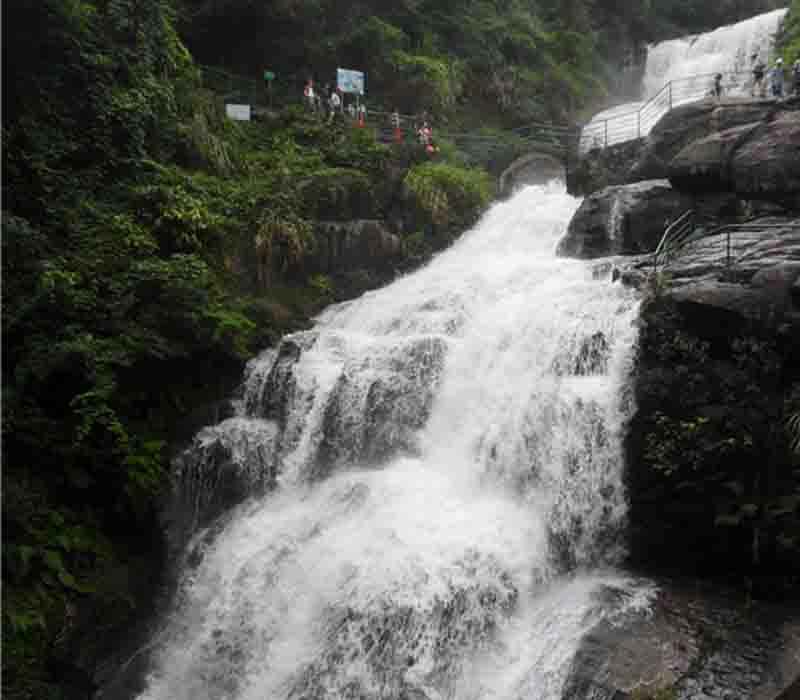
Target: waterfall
(725, 50)
(444, 502)
(687, 65)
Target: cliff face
(713, 481)
(713, 471)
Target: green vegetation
(789, 40)
(150, 247)
(469, 62)
(448, 197)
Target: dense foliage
(789, 39)
(150, 246)
(501, 61)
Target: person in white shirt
(335, 104)
(308, 96)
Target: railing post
(728, 249)
(669, 94)
(639, 124)
(605, 123)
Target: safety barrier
(726, 241)
(635, 123)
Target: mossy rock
(338, 194)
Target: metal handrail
(674, 229)
(669, 96)
(672, 244)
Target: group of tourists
(775, 76)
(421, 129)
(333, 106)
(774, 79)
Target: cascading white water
(449, 498)
(725, 50)
(688, 64)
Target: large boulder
(630, 219)
(758, 160)
(694, 640)
(767, 165)
(703, 165)
(603, 167)
(687, 123)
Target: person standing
(758, 76)
(335, 105)
(362, 114)
(308, 96)
(776, 78)
(397, 130)
(718, 86)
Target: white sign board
(241, 113)
(351, 81)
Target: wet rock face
(405, 650)
(697, 640)
(349, 245)
(710, 474)
(224, 465)
(626, 219)
(605, 167)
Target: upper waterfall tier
(682, 70)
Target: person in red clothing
(424, 134)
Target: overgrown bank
(151, 247)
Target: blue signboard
(351, 81)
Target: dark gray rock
(757, 160)
(603, 167)
(698, 641)
(759, 281)
(718, 296)
(687, 123)
(767, 165)
(703, 165)
(626, 219)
